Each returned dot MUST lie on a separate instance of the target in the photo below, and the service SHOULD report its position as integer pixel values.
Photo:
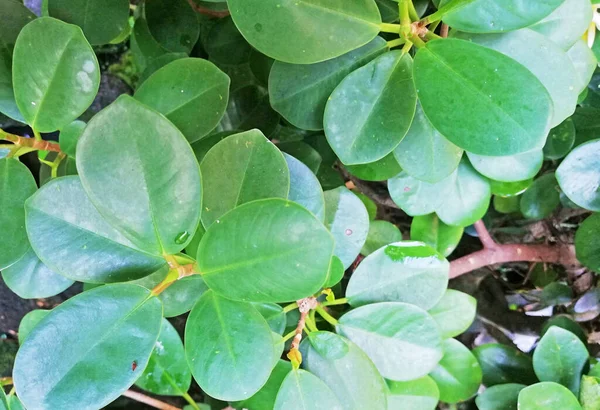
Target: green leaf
(302, 390)
(241, 168)
(279, 29)
(371, 110)
(249, 108)
(380, 170)
(510, 189)
(424, 153)
(560, 140)
(30, 321)
(584, 61)
(567, 23)
(182, 295)
(587, 245)
(101, 342)
(167, 372)
(547, 396)
(414, 196)
(458, 374)
(542, 275)
(303, 152)
(270, 250)
(590, 393)
(402, 340)
(64, 80)
(157, 199)
(226, 45)
(305, 188)
(3, 400)
(512, 168)
(274, 315)
(504, 364)
(101, 21)
(299, 92)
(419, 394)
(144, 48)
(191, 92)
(501, 397)
(541, 198)
(381, 233)
(336, 272)
(261, 66)
(329, 356)
(347, 219)
(31, 279)
(507, 205)
(173, 23)
(560, 357)
(369, 204)
(16, 185)
(69, 136)
(435, 233)
(487, 119)
(578, 175)
(547, 61)
(587, 124)
(409, 272)
(71, 237)
(454, 313)
(157, 63)
(216, 339)
(566, 323)
(15, 403)
(491, 16)
(264, 399)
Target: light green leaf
(454, 313)
(156, 63)
(590, 393)
(424, 153)
(567, 23)
(504, 364)
(270, 250)
(216, 339)
(305, 188)
(501, 397)
(16, 185)
(182, 295)
(347, 219)
(487, 119)
(299, 92)
(29, 321)
(547, 396)
(419, 394)
(380, 170)
(100, 20)
(402, 340)
(510, 189)
(584, 61)
(512, 168)
(241, 168)
(371, 110)
(71, 237)
(69, 136)
(116, 327)
(507, 205)
(560, 140)
(302, 390)
(409, 272)
(369, 204)
(579, 175)
(381, 233)
(329, 356)
(560, 357)
(435, 233)
(157, 200)
(458, 374)
(173, 23)
(64, 80)
(264, 399)
(278, 29)
(541, 198)
(167, 372)
(413, 196)
(336, 272)
(274, 315)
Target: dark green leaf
(303, 152)
(305, 188)
(381, 233)
(541, 198)
(547, 396)
(560, 140)
(454, 313)
(69, 136)
(501, 397)
(579, 175)
(566, 323)
(157, 63)
(385, 168)
(173, 23)
(435, 233)
(264, 399)
(504, 364)
(419, 394)
(29, 321)
(249, 108)
(226, 45)
(587, 244)
(302, 390)
(144, 47)
(274, 315)
(542, 275)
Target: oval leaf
(435, 233)
(579, 175)
(305, 188)
(504, 364)
(501, 397)
(547, 396)
(302, 390)
(541, 198)
(381, 233)
(419, 394)
(454, 313)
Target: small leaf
(578, 175)
(29, 321)
(409, 272)
(226, 45)
(216, 338)
(380, 170)
(299, 388)
(435, 233)
(69, 136)
(587, 244)
(274, 315)
(454, 313)
(500, 397)
(512, 168)
(266, 251)
(173, 23)
(547, 396)
(419, 394)
(541, 198)
(336, 272)
(303, 152)
(560, 140)
(381, 233)
(414, 196)
(504, 364)
(305, 188)
(182, 295)
(510, 189)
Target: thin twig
(444, 30)
(142, 398)
(382, 199)
(208, 12)
(484, 236)
(304, 305)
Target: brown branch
(304, 306)
(444, 30)
(208, 12)
(30, 142)
(484, 235)
(142, 398)
(379, 198)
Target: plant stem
(340, 301)
(412, 11)
(396, 42)
(310, 322)
(389, 28)
(142, 398)
(484, 235)
(405, 20)
(330, 319)
(176, 272)
(444, 30)
(189, 399)
(37, 135)
(6, 381)
(290, 307)
(33, 144)
(288, 336)
(407, 47)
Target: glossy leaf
(30, 321)
(501, 397)
(504, 364)
(584, 61)
(508, 169)
(305, 188)
(424, 153)
(541, 198)
(302, 390)
(590, 393)
(182, 295)
(413, 196)
(101, 21)
(266, 251)
(64, 81)
(510, 189)
(419, 394)
(329, 356)
(458, 374)
(560, 357)
(249, 108)
(381, 233)
(242, 168)
(435, 233)
(69, 136)
(167, 372)
(567, 23)
(507, 205)
(560, 140)
(158, 195)
(16, 185)
(578, 175)
(264, 399)
(380, 170)
(336, 272)
(547, 396)
(303, 152)
(71, 237)
(299, 92)
(402, 340)
(278, 29)
(480, 83)
(454, 313)
(191, 92)
(587, 244)
(144, 47)
(371, 110)
(80, 356)
(173, 23)
(226, 363)
(369, 204)
(156, 63)
(409, 272)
